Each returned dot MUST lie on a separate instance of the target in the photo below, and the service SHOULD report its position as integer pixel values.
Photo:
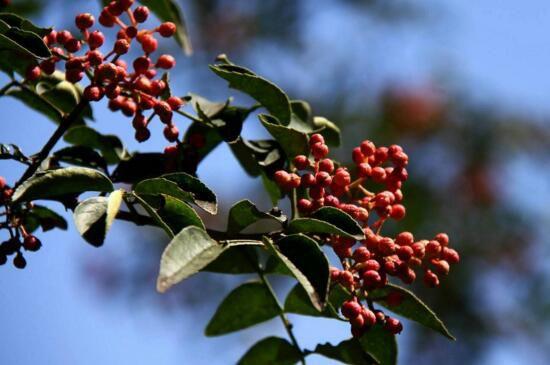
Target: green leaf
(14, 20)
(202, 196)
(244, 213)
(275, 193)
(292, 141)
(174, 212)
(411, 307)
(138, 167)
(40, 216)
(239, 257)
(262, 90)
(168, 10)
(328, 220)
(110, 146)
(36, 102)
(327, 129)
(54, 183)
(188, 253)
(158, 186)
(348, 351)
(302, 110)
(152, 213)
(297, 301)
(245, 156)
(81, 156)
(247, 305)
(271, 351)
(206, 107)
(23, 41)
(12, 152)
(94, 216)
(380, 344)
(307, 262)
(211, 137)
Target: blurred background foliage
(382, 70)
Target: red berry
(304, 205)
(19, 261)
(73, 45)
(74, 75)
(129, 108)
(131, 32)
(330, 200)
(121, 46)
(378, 174)
(171, 133)
(94, 57)
(364, 169)
(346, 279)
(282, 178)
(430, 279)
(139, 121)
(450, 255)
(433, 248)
(93, 93)
(319, 150)
(443, 239)
(404, 239)
(141, 13)
(142, 135)
(367, 148)
(369, 317)
(308, 180)
(441, 266)
(351, 309)
(106, 19)
(33, 73)
(397, 212)
(167, 29)
(149, 44)
(141, 64)
(357, 156)
(174, 102)
(394, 298)
(361, 254)
(84, 21)
(64, 36)
(295, 181)
(125, 4)
(31, 243)
(2, 182)
(316, 138)
(96, 39)
(166, 62)
(393, 325)
(301, 162)
(326, 165)
(371, 279)
(342, 177)
(323, 178)
(405, 252)
(317, 192)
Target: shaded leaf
(173, 212)
(328, 220)
(152, 213)
(380, 344)
(138, 167)
(69, 180)
(110, 146)
(238, 257)
(348, 351)
(262, 90)
(40, 216)
(202, 196)
(329, 130)
(23, 41)
(307, 262)
(81, 156)
(247, 305)
(244, 213)
(271, 351)
(411, 307)
(297, 301)
(292, 141)
(14, 20)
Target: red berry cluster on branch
(131, 92)
(367, 264)
(19, 238)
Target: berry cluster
(131, 92)
(19, 238)
(367, 264)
